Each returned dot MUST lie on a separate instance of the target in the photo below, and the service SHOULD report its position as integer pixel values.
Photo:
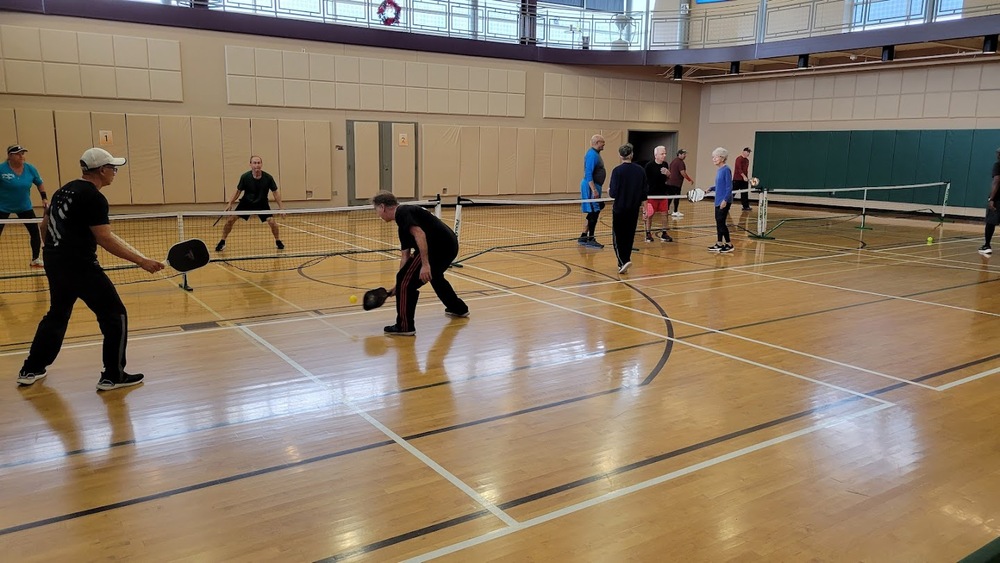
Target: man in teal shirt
(16, 179)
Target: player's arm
(277, 199)
(116, 246)
(425, 266)
(589, 164)
(41, 192)
(685, 174)
(993, 190)
(232, 200)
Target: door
(381, 155)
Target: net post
(762, 216)
(944, 202)
(180, 236)
(437, 208)
(864, 210)
(458, 225)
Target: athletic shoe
(394, 330)
(582, 241)
(664, 237)
(624, 268)
(726, 248)
(37, 263)
(592, 243)
(649, 237)
(126, 380)
(221, 246)
(279, 244)
(26, 377)
(676, 214)
(985, 250)
(451, 313)
(747, 209)
(716, 247)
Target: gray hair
(721, 153)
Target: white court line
(659, 335)
(965, 380)
(714, 331)
(638, 487)
(877, 294)
(450, 477)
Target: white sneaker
(624, 268)
(676, 214)
(37, 263)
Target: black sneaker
(985, 250)
(747, 209)
(126, 380)
(394, 330)
(592, 243)
(726, 248)
(27, 377)
(649, 237)
(664, 237)
(279, 244)
(221, 246)
(582, 241)
(715, 248)
(451, 313)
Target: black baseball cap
(747, 149)
(13, 149)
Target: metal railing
(695, 26)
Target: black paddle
(188, 255)
(374, 298)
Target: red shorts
(657, 206)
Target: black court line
(173, 492)
(394, 392)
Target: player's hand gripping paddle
(374, 298)
(188, 255)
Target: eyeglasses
(113, 168)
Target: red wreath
(390, 12)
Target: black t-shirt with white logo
(74, 209)
(438, 234)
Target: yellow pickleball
(930, 240)
(354, 299)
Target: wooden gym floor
(800, 399)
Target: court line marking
(413, 450)
(659, 335)
(968, 379)
(711, 330)
(876, 294)
(613, 495)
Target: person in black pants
(428, 249)
(74, 224)
(629, 189)
(992, 213)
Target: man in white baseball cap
(74, 224)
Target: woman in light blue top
(723, 200)
(16, 179)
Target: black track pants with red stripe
(408, 287)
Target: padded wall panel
(72, 138)
(559, 182)
(404, 162)
(468, 141)
(177, 158)
(507, 161)
(144, 158)
(292, 159)
(955, 166)
(525, 165)
(264, 143)
(319, 160)
(439, 171)
(210, 184)
(543, 161)
(120, 192)
(236, 151)
(489, 166)
(36, 131)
